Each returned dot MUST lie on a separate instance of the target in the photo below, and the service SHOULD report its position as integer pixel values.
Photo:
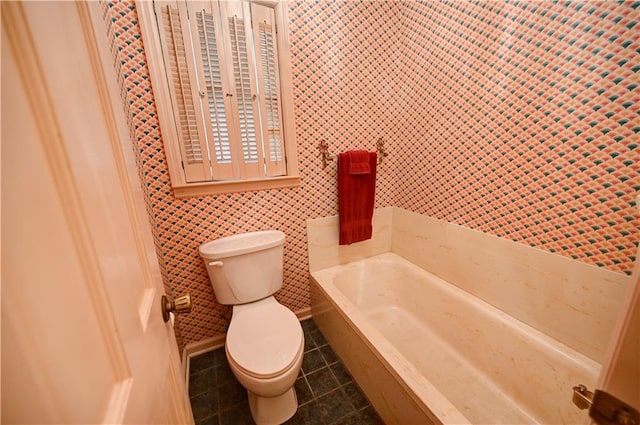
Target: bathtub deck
(458, 380)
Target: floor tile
(365, 416)
(211, 420)
(321, 381)
(309, 343)
(202, 381)
(328, 354)
(355, 396)
(231, 395)
(318, 338)
(309, 326)
(204, 405)
(341, 373)
(306, 415)
(237, 416)
(224, 376)
(327, 395)
(201, 362)
(303, 391)
(312, 360)
(334, 406)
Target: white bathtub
(425, 351)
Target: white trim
(205, 345)
(304, 314)
(286, 89)
(149, 27)
(213, 188)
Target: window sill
(216, 188)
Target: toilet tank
(246, 267)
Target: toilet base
(273, 410)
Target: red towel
(359, 162)
(356, 196)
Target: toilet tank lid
(242, 243)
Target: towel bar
(325, 156)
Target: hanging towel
(359, 162)
(356, 195)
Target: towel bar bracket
(382, 152)
(325, 156)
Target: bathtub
(425, 351)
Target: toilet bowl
(264, 348)
(265, 341)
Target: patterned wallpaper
(524, 122)
(518, 119)
(339, 75)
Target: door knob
(179, 305)
(604, 408)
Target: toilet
(265, 341)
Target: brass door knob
(178, 306)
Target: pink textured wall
(524, 122)
(482, 130)
(341, 89)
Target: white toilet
(265, 341)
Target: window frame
(169, 127)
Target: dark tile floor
(326, 392)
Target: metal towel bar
(325, 156)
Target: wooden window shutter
(213, 86)
(247, 113)
(183, 88)
(264, 27)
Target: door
(83, 340)
(620, 374)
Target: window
(222, 80)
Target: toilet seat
(264, 339)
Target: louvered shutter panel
(264, 29)
(212, 83)
(181, 75)
(247, 114)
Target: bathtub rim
(558, 347)
(435, 405)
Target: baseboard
(194, 348)
(304, 314)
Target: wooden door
(83, 340)
(620, 375)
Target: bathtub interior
(490, 366)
